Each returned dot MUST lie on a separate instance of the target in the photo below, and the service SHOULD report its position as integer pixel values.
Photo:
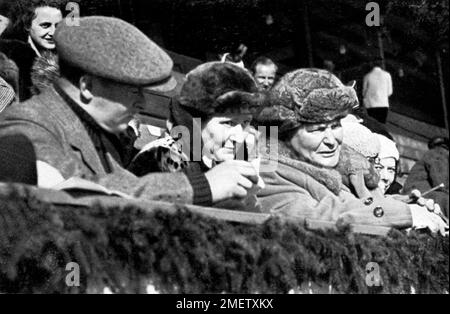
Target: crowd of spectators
(69, 96)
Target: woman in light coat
(309, 105)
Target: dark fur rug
(125, 250)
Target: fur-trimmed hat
(308, 96)
(116, 50)
(216, 87)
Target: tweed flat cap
(308, 96)
(216, 87)
(116, 50)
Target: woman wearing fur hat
(213, 114)
(305, 184)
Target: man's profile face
(265, 76)
(114, 104)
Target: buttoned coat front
(301, 190)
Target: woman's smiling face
(222, 134)
(319, 144)
(43, 27)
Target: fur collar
(45, 72)
(328, 177)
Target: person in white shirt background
(377, 88)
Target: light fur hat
(308, 96)
(388, 148)
(360, 138)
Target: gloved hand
(423, 218)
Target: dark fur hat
(216, 87)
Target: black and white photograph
(230, 155)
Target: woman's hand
(231, 179)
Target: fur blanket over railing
(129, 250)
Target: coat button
(368, 201)
(378, 212)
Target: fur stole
(44, 72)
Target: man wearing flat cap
(76, 125)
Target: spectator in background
(235, 57)
(39, 21)
(377, 87)
(431, 171)
(34, 23)
(265, 72)
(388, 159)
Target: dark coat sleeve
(429, 172)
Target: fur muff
(352, 163)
